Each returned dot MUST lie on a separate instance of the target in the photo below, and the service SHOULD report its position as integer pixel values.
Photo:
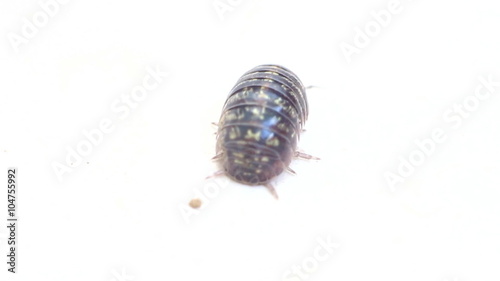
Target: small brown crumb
(195, 203)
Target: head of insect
(250, 163)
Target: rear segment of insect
(260, 125)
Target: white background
(120, 214)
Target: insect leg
(271, 189)
(218, 156)
(302, 155)
(216, 174)
(288, 169)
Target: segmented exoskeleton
(260, 125)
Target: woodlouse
(260, 125)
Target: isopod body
(260, 124)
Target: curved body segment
(260, 124)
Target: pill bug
(260, 125)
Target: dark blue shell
(260, 124)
